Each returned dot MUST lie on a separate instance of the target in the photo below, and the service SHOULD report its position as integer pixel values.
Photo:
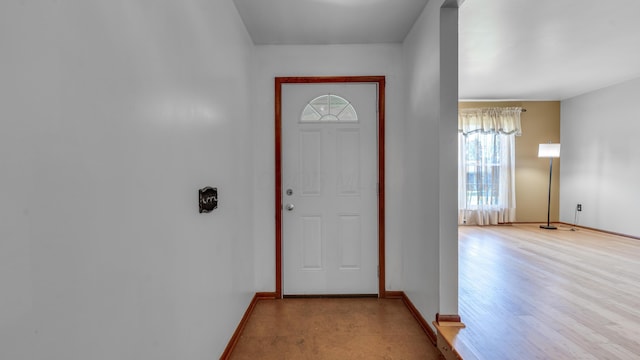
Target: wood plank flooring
(359, 328)
(525, 293)
(529, 293)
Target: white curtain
(486, 165)
(490, 120)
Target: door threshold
(329, 296)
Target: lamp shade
(549, 151)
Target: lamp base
(548, 227)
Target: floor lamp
(549, 151)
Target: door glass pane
(329, 108)
(348, 114)
(310, 114)
(321, 105)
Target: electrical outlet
(579, 207)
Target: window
(486, 165)
(482, 169)
(329, 108)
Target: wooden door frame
(380, 81)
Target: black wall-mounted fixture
(208, 199)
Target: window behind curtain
(486, 168)
(482, 167)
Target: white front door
(329, 182)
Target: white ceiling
(301, 22)
(509, 49)
(546, 49)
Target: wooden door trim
(380, 81)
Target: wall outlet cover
(208, 199)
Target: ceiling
(546, 49)
(509, 49)
(302, 22)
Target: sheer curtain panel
(486, 165)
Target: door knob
(289, 207)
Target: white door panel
(330, 242)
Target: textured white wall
(429, 224)
(112, 115)
(600, 158)
(324, 60)
(448, 156)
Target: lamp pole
(549, 226)
(549, 151)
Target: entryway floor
(333, 328)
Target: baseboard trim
(600, 230)
(393, 294)
(576, 226)
(243, 322)
(447, 318)
(531, 222)
(414, 311)
(266, 295)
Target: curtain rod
(523, 110)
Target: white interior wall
(429, 231)
(112, 115)
(448, 159)
(324, 60)
(600, 158)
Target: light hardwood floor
(530, 293)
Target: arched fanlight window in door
(329, 108)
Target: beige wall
(540, 124)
